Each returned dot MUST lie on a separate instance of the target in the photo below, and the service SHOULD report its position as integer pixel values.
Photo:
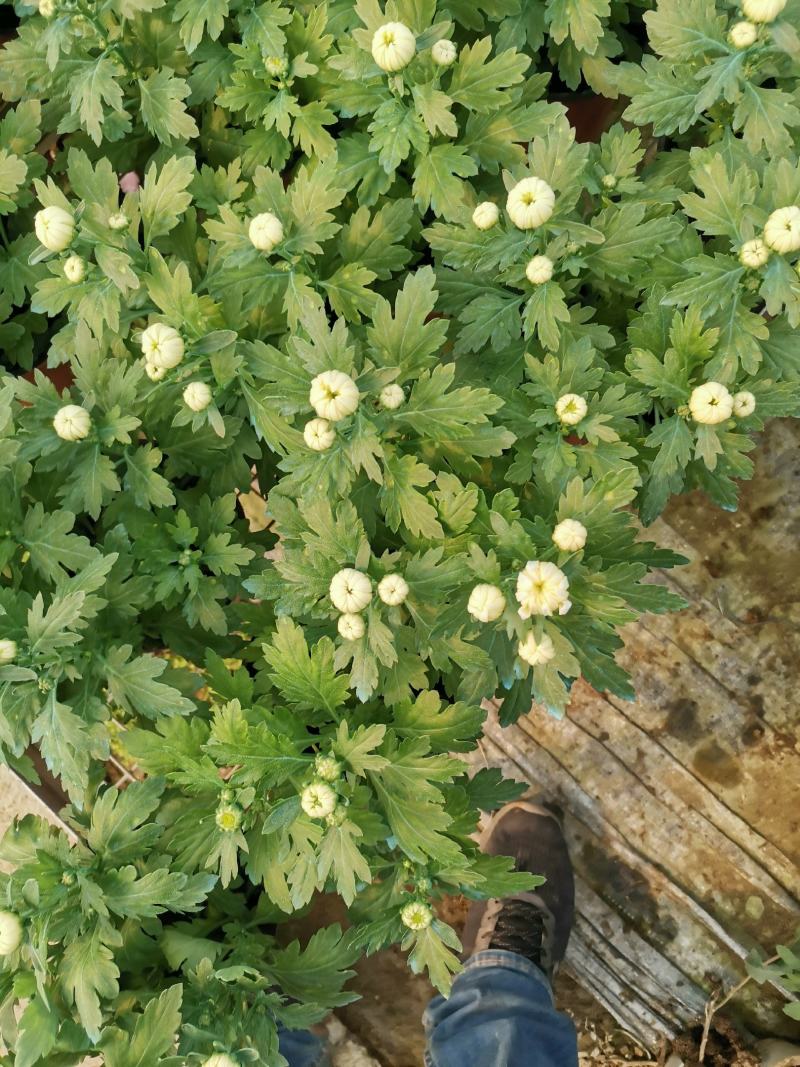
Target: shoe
(537, 924)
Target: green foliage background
(136, 540)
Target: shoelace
(520, 927)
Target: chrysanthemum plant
(336, 373)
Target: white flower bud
(530, 203)
(319, 435)
(333, 395)
(350, 590)
(47, 8)
(219, 1059)
(154, 373)
(486, 215)
(762, 10)
(118, 221)
(444, 53)
(782, 230)
(486, 603)
(539, 270)
(609, 181)
(351, 626)
(542, 589)
(197, 396)
(753, 254)
(570, 535)
(571, 408)
(393, 589)
(328, 768)
(742, 34)
(8, 651)
(536, 652)
(55, 228)
(391, 396)
(710, 404)
(162, 346)
(744, 404)
(72, 423)
(228, 818)
(318, 800)
(276, 65)
(416, 916)
(393, 46)
(265, 231)
(10, 932)
(74, 269)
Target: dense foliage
(366, 367)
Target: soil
(724, 1048)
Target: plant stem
(713, 1005)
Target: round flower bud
(782, 230)
(486, 603)
(10, 932)
(444, 53)
(162, 346)
(265, 231)
(609, 181)
(539, 270)
(416, 916)
(536, 652)
(318, 800)
(393, 589)
(55, 228)
(710, 404)
(220, 1059)
(333, 395)
(753, 254)
(393, 46)
(486, 215)
(118, 221)
(571, 408)
(391, 396)
(8, 651)
(338, 817)
(319, 435)
(530, 203)
(197, 396)
(328, 768)
(276, 65)
(744, 404)
(154, 373)
(742, 34)
(350, 626)
(72, 423)
(762, 10)
(228, 818)
(74, 269)
(569, 535)
(47, 8)
(350, 590)
(542, 589)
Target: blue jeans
(500, 1013)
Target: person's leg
(500, 1012)
(302, 1048)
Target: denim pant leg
(500, 1013)
(302, 1048)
